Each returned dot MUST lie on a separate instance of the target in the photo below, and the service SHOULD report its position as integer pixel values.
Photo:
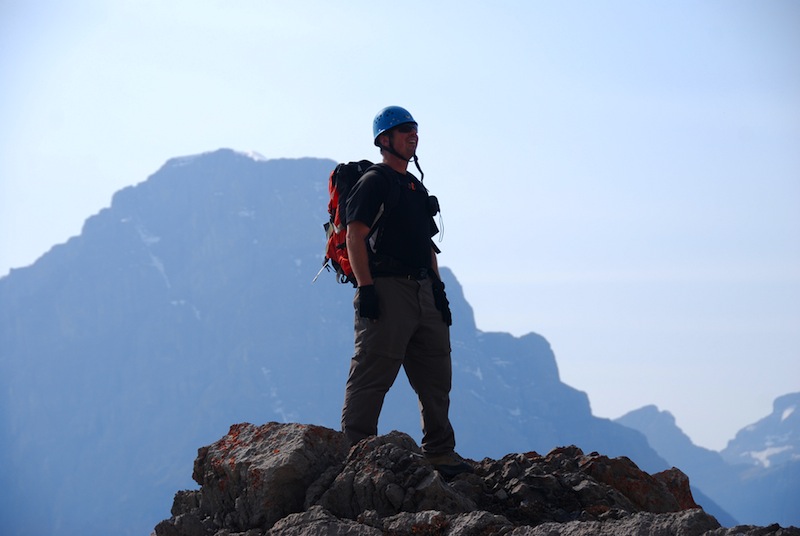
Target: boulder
(256, 475)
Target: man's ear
(383, 140)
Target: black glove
(440, 299)
(367, 302)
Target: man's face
(404, 139)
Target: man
(402, 314)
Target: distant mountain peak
(651, 419)
(771, 441)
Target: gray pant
(409, 333)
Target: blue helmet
(388, 118)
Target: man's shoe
(449, 465)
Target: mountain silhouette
(756, 477)
(186, 306)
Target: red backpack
(341, 181)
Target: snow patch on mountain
(253, 155)
(149, 240)
(763, 456)
(476, 372)
(181, 161)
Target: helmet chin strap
(390, 148)
(416, 163)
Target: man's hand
(367, 302)
(442, 303)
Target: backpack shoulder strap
(394, 185)
(392, 200)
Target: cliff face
(303, 479)
(188, 305)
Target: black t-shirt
(406, 230)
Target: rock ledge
(293, 479)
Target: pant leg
(379, 349)
(370, 378)
(429, 370)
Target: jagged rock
(678, 485)
(750, 530)
(646, 492)
(433, 522)
(301, 480)
(316, 520)
(388, 474)
(686, 523)
(256, 475)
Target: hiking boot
(449, 465)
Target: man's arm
(439, 295)
(435, 263)
(357, 252)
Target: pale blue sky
(622, 177)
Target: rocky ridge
(303, 480)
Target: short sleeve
(366, 198)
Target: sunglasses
(405, 128)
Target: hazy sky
(622, 177)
